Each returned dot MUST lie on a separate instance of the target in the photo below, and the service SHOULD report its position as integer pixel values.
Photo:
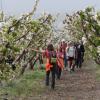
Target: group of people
(67, 55)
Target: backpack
(52, 57)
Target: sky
(17, 7)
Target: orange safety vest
(48, 65)
(60, 62)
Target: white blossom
(98, 50)
(84, 40)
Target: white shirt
(70, 51)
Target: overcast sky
(16, 7)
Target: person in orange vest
(63, 46)
(51, 63)
(60, 62)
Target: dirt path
(80, 85)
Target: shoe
(69, 69)
(73, 69)
(52, 87)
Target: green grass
(31, 83)
(98, 73)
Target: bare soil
(80, 85)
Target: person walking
(63, 46)
(80, 54)
(51, 63)
(70, 52)
(60, 62)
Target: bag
(53, 60)
(52, 57)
